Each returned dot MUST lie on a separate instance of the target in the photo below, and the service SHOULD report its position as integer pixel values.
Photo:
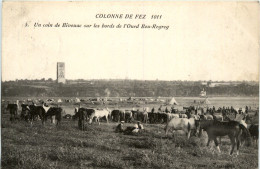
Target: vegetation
(100, 147)
(124, 88)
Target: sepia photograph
(149, 84)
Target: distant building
(61, 72)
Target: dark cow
(13, 108)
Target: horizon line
(121, 79)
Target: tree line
(124, 88)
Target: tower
(61, 72)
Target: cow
(13, 108)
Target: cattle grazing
(233, 129)
(180, 124)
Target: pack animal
(233, 129)
(181, 124)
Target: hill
(125, 88)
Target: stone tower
(61, 72)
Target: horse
(254, 131)
(99, 114)
(183, 116)
(44, 112)
(13, 108)
(87, 112)
(140, 116)
(180, 124)
(128, 116)
(233, 129)
(206, 117)
(171, 116)
(35, 111)
(162, 117)
(115, 115)
(195, 116)
(218, 117)
(209, 117)
(53, 111)
(204, 124)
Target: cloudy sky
(204, 41)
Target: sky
(204, 41)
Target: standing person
(152, 110)
(172, 109)
(188, 113)
(145, 115)
(160, 108)
(246, 111)
(166, 110)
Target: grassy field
(100, 147)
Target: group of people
(138, 127)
